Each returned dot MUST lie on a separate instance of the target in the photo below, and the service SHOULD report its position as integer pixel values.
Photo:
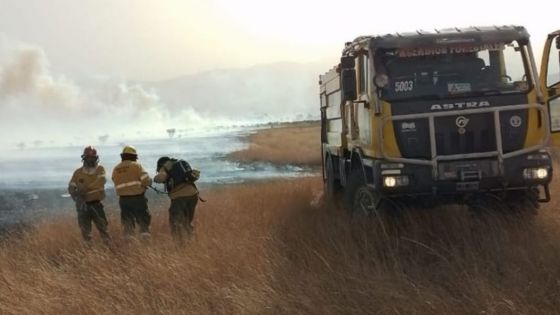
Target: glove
(79, 200)
(81, 191)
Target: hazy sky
(78, 59)
(151, 40)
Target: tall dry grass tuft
(275, 248)
(292, 144)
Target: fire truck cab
(450, 114)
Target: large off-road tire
(332, 187)
(365, 203)
(354, 181)
(369, 203)
(361, 199)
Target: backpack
(180, 172)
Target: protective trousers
(134, 210)
(92, 211)
(181, 215)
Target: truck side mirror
(347, 62)
(348, 78)
(558, 47)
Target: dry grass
(272, 248)
(298, 144)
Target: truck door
(550, 81)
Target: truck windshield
(453, 71)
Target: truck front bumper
(465, 176)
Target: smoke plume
(38, 107)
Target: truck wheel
(362, 200)
(331, 185)
(354, 181)
(366, 202)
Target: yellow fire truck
(453, 115)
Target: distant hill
(278, 91)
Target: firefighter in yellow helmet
(131, 181)
(87, 188)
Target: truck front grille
(477, 136)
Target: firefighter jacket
(88, 184)
(186, 189)
(130, 178)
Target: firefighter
(87, 188)
(182, 191)
(131, 181)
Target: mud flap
(546, 192)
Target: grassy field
(298, 144)
(277, 248)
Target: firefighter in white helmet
(131, 182)
(87, 188)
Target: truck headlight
(390, 181)
(395, 181)
(535, 173)
(542, 173)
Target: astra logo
(460, 105)
(462, 121)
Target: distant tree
(103, 138)
(171, 132)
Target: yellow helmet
(129, 150)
